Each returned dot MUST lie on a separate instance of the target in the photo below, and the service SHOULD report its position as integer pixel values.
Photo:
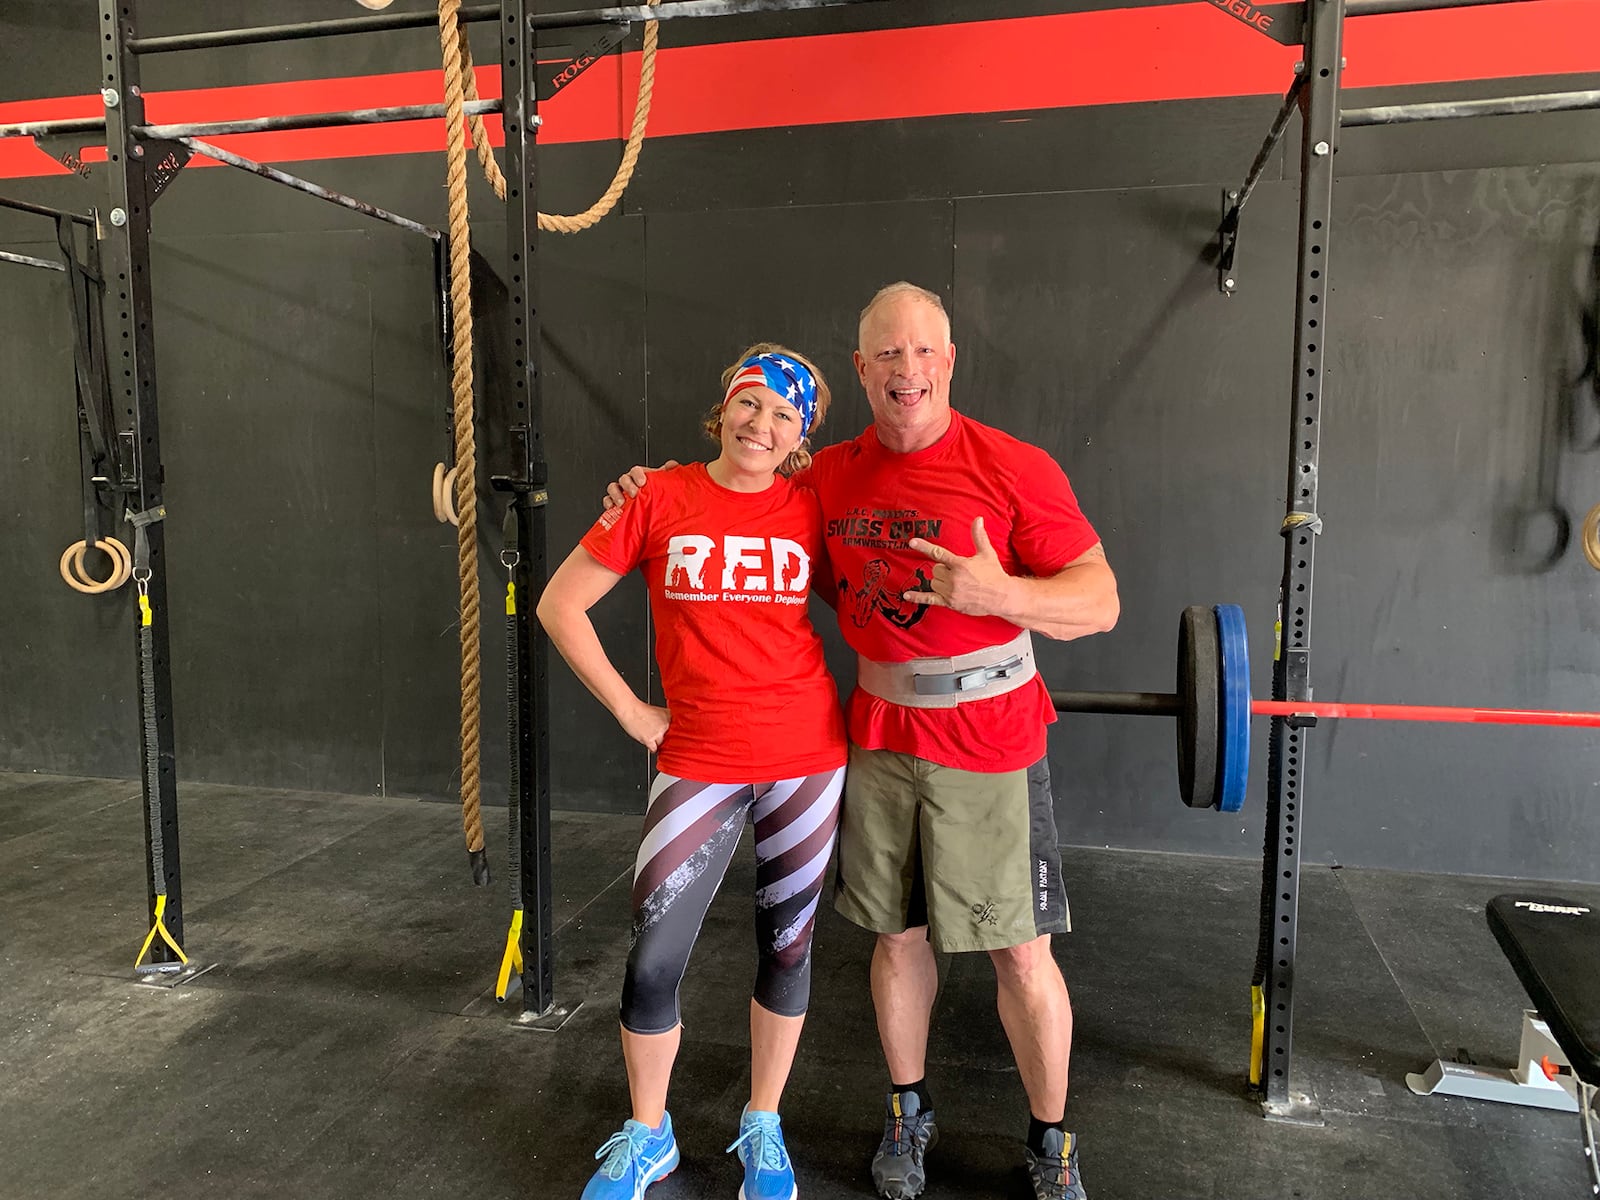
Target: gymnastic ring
(444, 508)
(118, 552)
(444, 502)
(73, 573)
(438, 479)
(1591, 537)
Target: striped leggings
(691, 831)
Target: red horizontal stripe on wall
(1170, 52)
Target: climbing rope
(459, 62)
(460, 85)
(462, 408)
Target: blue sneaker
(635, 1157)
(768, 1174)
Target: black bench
(1554, 947)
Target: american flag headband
(786, 376)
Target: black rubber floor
(346, 1045)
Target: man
(950, 542)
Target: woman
(727, 549)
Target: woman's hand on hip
(646, 724)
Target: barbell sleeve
(1128, 704)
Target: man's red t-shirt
(742, 669)
(874, 501)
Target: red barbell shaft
(1422, 712)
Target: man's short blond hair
(895, 291)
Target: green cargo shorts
(971, 855)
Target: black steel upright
(528, 476)
(130, 327)
(1273, 983)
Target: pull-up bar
(26, 260)
(41, 210)
(306, 29)
(1373, 8)
(49, 128)
(1492, 106)
(622, 14)
(357, 116)
(278, 124)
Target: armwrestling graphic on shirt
(874, 597)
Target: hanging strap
(510, 558)
(94, 452)
(152, 745)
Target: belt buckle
(969, 681)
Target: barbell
(1213, 708)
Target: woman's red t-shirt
(728, 573)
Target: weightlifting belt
(947, 682)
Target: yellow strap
(1258, 1032)
(144, 619)
(511, 599)
(513, 956)
(161, 907)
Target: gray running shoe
(1054, 1174)
(908, 1134)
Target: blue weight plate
(1233, 760)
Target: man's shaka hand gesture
(976, 585)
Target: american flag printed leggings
(691, 831)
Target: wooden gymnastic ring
(444, 501)
(438, 479)
(1591, 537)
(73, 572)
(118, 552)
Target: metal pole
(126, 270)
(49, 128)
(1291, 101)
(1493, 106)
(1273, 982)
(1373, 8)
(306, 186)
(480, 12)
(357, 116)
(306, 29)
(1233, 202)
(529, 474)
(42, 211)
(675, 9)
(278, 124)
(26, 261)
(1124, 704)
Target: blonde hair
(800, 457)
(894, 291)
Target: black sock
(1036, 1130)
(920, 1087)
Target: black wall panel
(1459, 412)
(265, 366)
(66, 660)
